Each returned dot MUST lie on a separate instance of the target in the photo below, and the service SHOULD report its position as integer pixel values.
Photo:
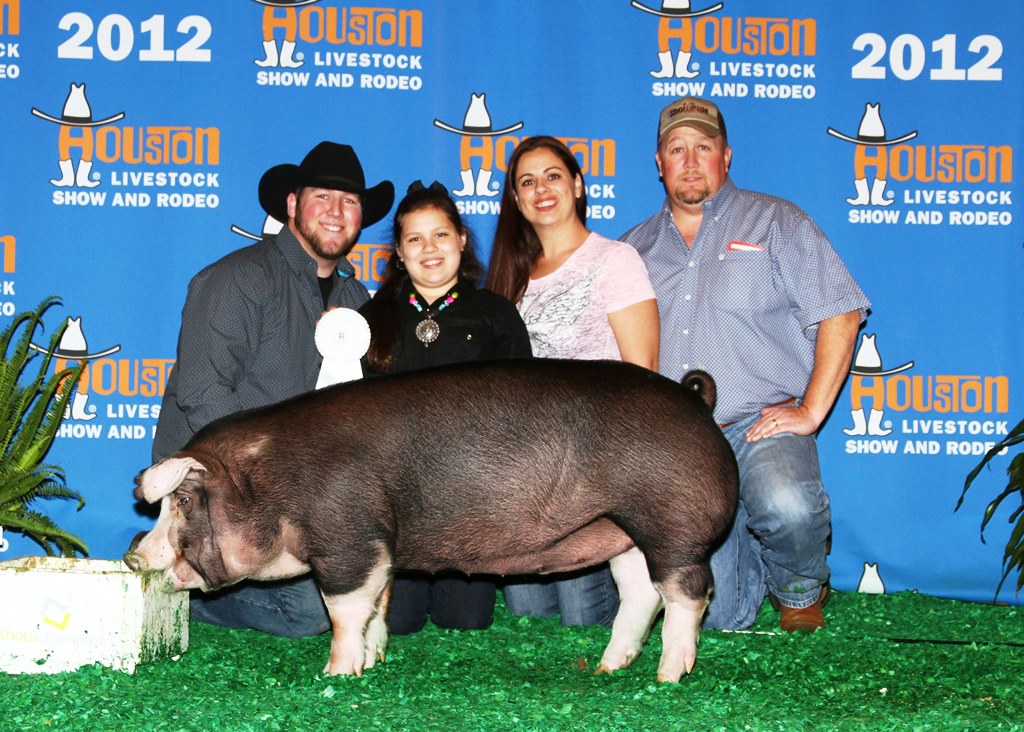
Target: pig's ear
(159, 480)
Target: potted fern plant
(32, 406)
(105, 613)
(1013, 555)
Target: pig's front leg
(639, 603)
(351, 615)
(377, 631)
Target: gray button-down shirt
(247, 336)
(744, 303)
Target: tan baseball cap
(692, 111)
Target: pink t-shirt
(566, 312)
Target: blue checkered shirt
(744, 303)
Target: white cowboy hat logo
(271, 227)
(72, 345)
(868, 362)
(871, 130)
(677, 9)
(77, 112)
(477, 122)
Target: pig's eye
(183, 500)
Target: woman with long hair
(582, 296)
(429, 312)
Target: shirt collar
(719, 203)
(714, 206)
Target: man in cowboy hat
(247, 339)
(751, 290)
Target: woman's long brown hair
(516, 245)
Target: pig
(525, 466)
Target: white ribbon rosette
(342, 336)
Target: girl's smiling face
(431, 247)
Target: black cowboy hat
(328, 165)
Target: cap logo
(689, 107)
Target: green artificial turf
(534, 674)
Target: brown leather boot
(805, 619)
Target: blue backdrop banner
(134, 135)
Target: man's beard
(692, 194)
(316, 243)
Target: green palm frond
(32, 406)
(41, 529)
(44, 481)
(1013, 554)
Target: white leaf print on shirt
(551, 314)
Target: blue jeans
(739, 575)
(784, 520)
(588, 597)
(293, 608)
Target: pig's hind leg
(357, 621)
(639, 603)
(684, 608)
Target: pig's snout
(135, 561)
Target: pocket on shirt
(743, 281)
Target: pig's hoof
(376, 649)
(612, 660)
(328, 671)
(343, 669)
(672, 672)
(373, 657)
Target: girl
(429, 312)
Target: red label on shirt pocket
(743, 246)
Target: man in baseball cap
(750, 290)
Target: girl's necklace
(428, 330)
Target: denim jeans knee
(582, 598)
(292, 608)
(739, 577)
(781, 490)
